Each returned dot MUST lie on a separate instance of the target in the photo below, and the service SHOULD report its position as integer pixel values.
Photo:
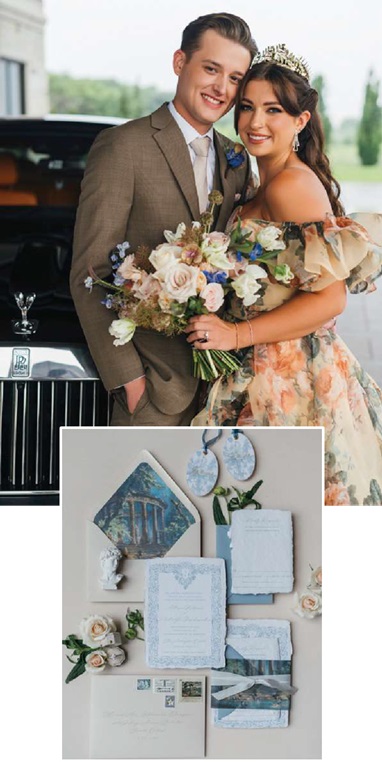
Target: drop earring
(239, 456)
(203, 467)
(296, 142)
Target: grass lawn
(347, 167)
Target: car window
(43, 169)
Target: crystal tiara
(280, 55)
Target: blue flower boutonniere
(235, 156)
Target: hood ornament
(24, 327)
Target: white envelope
(131, 587)
(164, 719)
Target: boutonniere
(235, 155)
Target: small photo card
(164, 685)
(191, 690)
(143, 684)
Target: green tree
(319, 84)
(370, 128)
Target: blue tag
(239, 456)
(202, 472)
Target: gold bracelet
(250, 332)
(237, 338)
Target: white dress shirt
(189, 134)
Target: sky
(133, 40)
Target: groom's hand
(134, 390)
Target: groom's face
(208, 81)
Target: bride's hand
(210, 332)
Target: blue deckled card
(223, 550)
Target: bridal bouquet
(162, 289)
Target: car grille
(31, 413)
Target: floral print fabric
(315, 380)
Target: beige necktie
(201, 148)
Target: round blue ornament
(202, 472)
(239, 456)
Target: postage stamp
(191, 690)
(169, 702)
(164, 685)
(143, 684)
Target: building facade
(23, 78)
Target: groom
(145, 177)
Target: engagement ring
(206, 334)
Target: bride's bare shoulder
(296, 194)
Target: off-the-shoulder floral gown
(314, 380)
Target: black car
(47, 377)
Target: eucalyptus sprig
(241, 500)
(134, 621)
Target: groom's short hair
(226, 24)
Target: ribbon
(210, 442)
(238, 683)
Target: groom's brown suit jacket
(138, 182)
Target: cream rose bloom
(268, 239)
(308, 605)
(123, 329)
(181, 282)
(149, 287)
(215, 243)
(96, 661)
(94, 629)
(213, 296)
(247, 285)
(163, 257)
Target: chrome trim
(24, 434)
(52, 432)
(38, 407)
(15, 404)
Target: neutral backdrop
(94, 464)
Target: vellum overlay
(185, 612)
(262, 551)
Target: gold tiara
(280, 55)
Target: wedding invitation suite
(185, 613)
(262, 551)
(254, 688)
(146, 717)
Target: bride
(296, 371)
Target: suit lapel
(228, 181)
(174, 148)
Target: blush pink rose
(213, 296)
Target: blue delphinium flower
(235, 158)
(219, 277)
(118, 280)
(88, 283)
(256, 252)
(107, 302)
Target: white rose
(123, 329)
(308, 605)
(94, 629)
(218, 259)
(112, 639)
(171, 237)
(95, 662)
(247, 285)
(215, 242)
(115, 656)
(181, 282)
(267, 238)
(163, 257)
(316, 579)
(213, 296)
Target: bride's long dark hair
(295, 95)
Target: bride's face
(265, 128)
(208, 81)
